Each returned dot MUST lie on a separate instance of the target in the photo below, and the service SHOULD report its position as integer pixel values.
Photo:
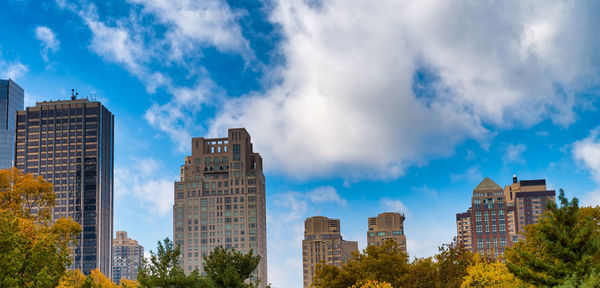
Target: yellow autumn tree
(373, 284)
(484, 273)
(76, 279)
(34, 252)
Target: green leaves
(33, 252)
(224, 268)
(229, 268)
(563, 246)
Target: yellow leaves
(72, 279)
(126, 283)
(98, 280)
(373, 284)
(20, 193)
(483, 273)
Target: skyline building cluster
(219, 199)
(323, 242)
(497, 216)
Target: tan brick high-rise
(323, 243)
(528, 198)
(389, 225)
(220, 201)
(127, 256)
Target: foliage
(494, 274)
(126, 283)
(563, 246)
(452, 262)
(33, 251)
(21, 193)
(229, 268)
(76, 279)
(422, 273)
(373, 284)
(385, 263)
(72, 279)
(163, 269)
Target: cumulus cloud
(48, 41)
(191, 23)
(587, 152)
(147, 183)
(352, 101)
(365, 90)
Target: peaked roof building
(497, 215)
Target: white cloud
(146, 181)
(346, 105)
(48, 41)
(191, 23)
(325, 194)
(587, 152)
(472, 174)
(391, 205)
(13, 70)
(514, 153)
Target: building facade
(127, 256)
(323, 243)
(220, 201)
(70, 144)
(389, 225)
(11, 101)
(463, 229)
(497, 216)
(528, 199)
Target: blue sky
(357, 108)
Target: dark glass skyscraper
(70, 143)
(11, 100)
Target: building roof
(486, 185)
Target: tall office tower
(489, 215)
(70, 144)
(528, 199)
(463, 229)
(385, 226)
(127, 256)
(323, 243)
(220, 201)
(11, 100)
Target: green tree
(422, 273)
(452, 262)
(164, 271)
(562, 247)
(227, 268)
(385, 263)
(33, 251)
